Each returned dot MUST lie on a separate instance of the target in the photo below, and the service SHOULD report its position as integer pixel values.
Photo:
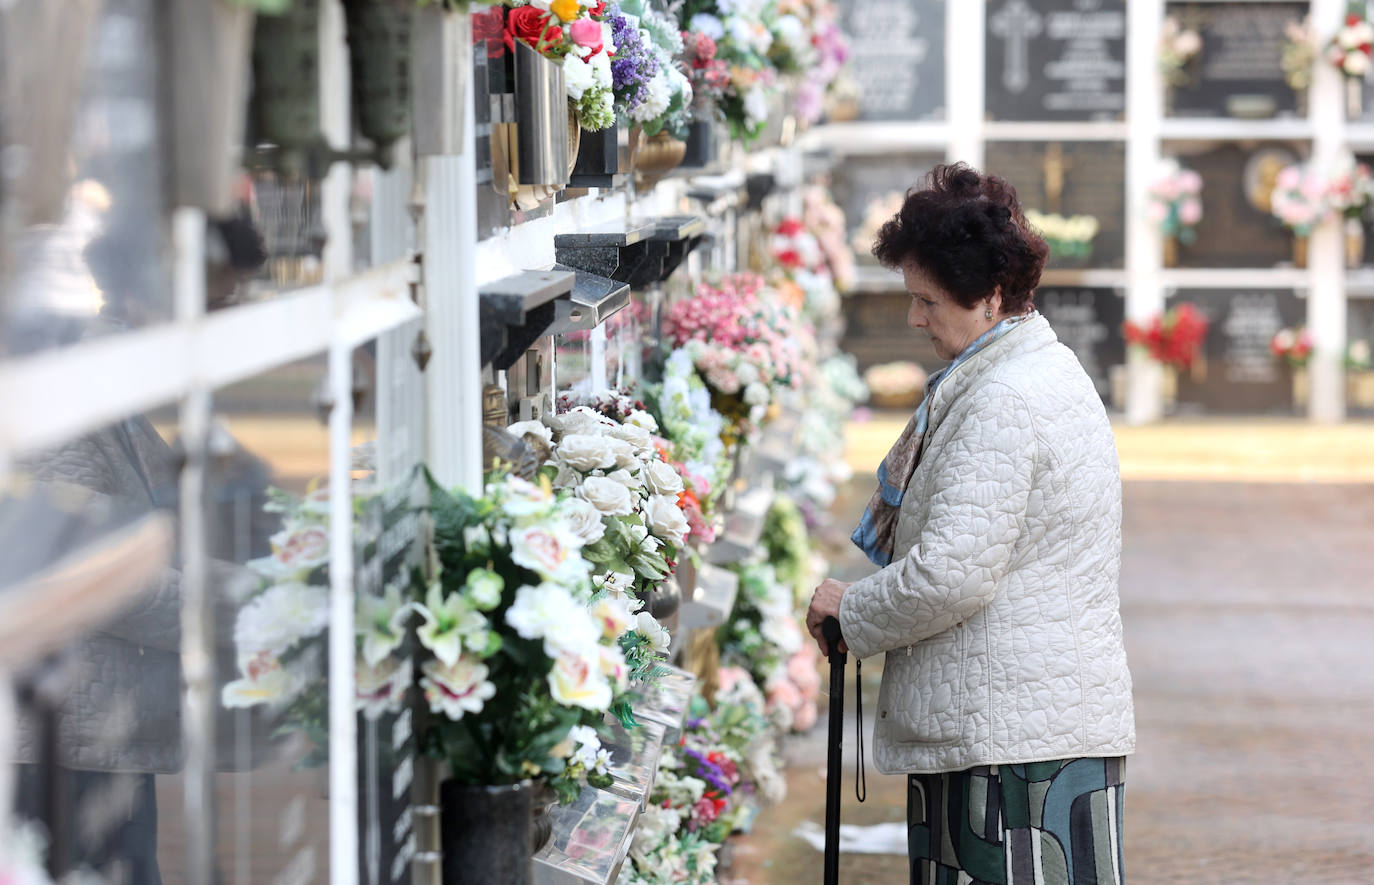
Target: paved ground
(1249, 612)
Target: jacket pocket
(924, 700)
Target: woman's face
(951, 327)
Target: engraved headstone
(1070, 178)
(1237, 228)
(1240, 373)
(1088, 322)
(1238, 72)
(898, 57)
(1056, 60)
(1360, 383)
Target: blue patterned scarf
(876, 531)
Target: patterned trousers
(1041, 823)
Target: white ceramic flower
(613, 615)
(665, 518)
(576, 681)
(657, 635)
(550, 550)
(585, 452)
(582, 520)
(381, 687)
(607, 496)
(381, 622)
(536, 429)
(662, 478)
(448, 619)
(281, 616)
(456, 690)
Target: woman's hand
(825, 603)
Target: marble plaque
(1239, 373)
(1056, 59)
(1237, 73)
(1237, 228)
(898, 57)
(1088, 322)
(1070, 178)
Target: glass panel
(268, 496)
(388, 435)
(572, 354)
(92, 261)
(590, 836)
(91, 586)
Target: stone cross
(1017, 23)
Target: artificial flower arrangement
(743, 35)
(707, 72)
(877, 212)
(1359, 356)
(744, 342)
(1293, 346)
(1177, 47)
(1350, 47)
(633, 526)
(572, 33)
(1299, 199)
(1299, 54)
(709, 786)
(812, 477)
(666, 94)
(1175, 202)
(1174, 339)
(831, 53)
(802, 272)
(1068, 237)
(1350, 189)
(825, 220)
(527, 654)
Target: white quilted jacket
(999, 612)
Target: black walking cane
(836, 752)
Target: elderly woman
(1005, 695)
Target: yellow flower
(567, 10)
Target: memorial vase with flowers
(1175, 207)
(1294, 348)
(1178, 46)
(1300, 202)
(1349, 51)
(1173, 339)
(1349, 193)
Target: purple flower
(708, 771)
(634, 64)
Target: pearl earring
(988, 313)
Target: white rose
(607, 495)
(625, 454)
(662, 478)
(535, 429)
(601, 65)
(1356, 64)
(666, 519)
(631, 481)
(581, 420)
(576, 680)
(583, 520)
(584, 452)
(641, 418)
(636, 436)
(577, 76)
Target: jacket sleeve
(982, 484)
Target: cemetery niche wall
(898, 58)
(1238, 71)
(1088, 322)
(1074, 178)
(1055, 60)
(1237, 228)
(1238, 372)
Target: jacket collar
(1028, 335)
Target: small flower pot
(660, 155)
(598, 159)
(1299, 252)
(379, 58)
(1170, 252)
(487, 833)
(701, 145)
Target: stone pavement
(1249, 613)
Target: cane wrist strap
(860, 778)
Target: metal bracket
(673, 239)
(517, 310)
(594, 300)
(616, 251)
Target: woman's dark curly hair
(967, 230)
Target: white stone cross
(1017, 23)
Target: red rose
(597, 10)
(488, 26)
(790, 227)
(527, 23)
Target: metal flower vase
(701, 145)
(379, 53)
(487, 832)
(285, 109)
(541, 120)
